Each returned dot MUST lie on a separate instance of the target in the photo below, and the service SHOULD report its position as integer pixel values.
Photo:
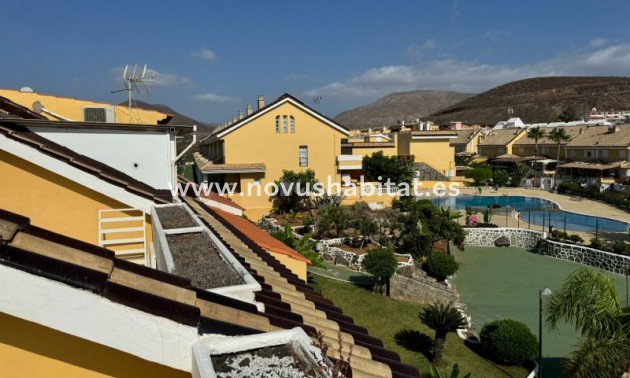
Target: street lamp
(542, 293)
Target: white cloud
(474, 76)
(167, 80)
(598, 42)
(417, 50)
(215, 98)
(455, 9)
(205, 54)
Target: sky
(211, 59)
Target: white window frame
(285, 125)
(303, 156)
(277, 124)
(292, 124)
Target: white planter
(214, 345)
(164, 258)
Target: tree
(304, 245)
(388, 168)
(381, 263)
(480, 174)
(331, 217)
(558, 135)
(535, 133)
(291, 187)
(500, 177)
(589, 301)
(443, 319)
(520, 172)
(363, 220)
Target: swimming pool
(536, 211)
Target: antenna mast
(135, 82)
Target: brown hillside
(394, 107)
(540, 100)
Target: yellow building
(526, 147)
(430, 150)
(56, 108)
(253, 151)
(467, 141)
(500, 142)
(73, 194)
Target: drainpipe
(174, 162)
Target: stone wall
(518, 237)
(611, 262)
(422, 289)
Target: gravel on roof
(172, 217)
(196, 258)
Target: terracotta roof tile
(206, 165)
(500, 137)
(602, 136)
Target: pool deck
(585, 206)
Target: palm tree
(535, 133)
(558, 135)
(443, 319)
(588, 300)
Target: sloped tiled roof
(368, 144)
(206, 165)
(102, 171)
(283, 289)
(286, 96)
(11, 110)
(602, 136)
(434, 133)
(210, 195)
(500, 137)
(572, 132)
(289, 302)
(464, 136)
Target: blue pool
(535, 211)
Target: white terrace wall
(611, 262)
(519, 237)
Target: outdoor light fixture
(542, 293)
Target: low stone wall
(421, 289)
(519, 237)
(611, 262)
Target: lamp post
(542, 293)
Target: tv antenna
(135, 82)
(317, 99)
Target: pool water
(536, 211)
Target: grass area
(497, 283)
(397, 324)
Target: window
(589, 153)
(277, 124)
(292, 124)
(604, 153)
(622, 154)
(303, 155)
(284, 124)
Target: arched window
(292, 124)
(285, 127)
(277, 124)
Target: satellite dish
(27, 90)
(37, 107)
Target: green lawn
(397, 324)
(499, 283)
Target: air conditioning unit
(102, 114)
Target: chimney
(261, 102)
(234, 119)
(240, 115)
(249, 110)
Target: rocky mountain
(541, 99)
(395, 107)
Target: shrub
(381, 263)
(480, 174)
(508, 341)
(440, 266)
(576, 238)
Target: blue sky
(211, 60)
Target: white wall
(120, 149)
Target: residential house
(57, 108)
(605, 144)
(500, 142)
(467, 140)
(255, 149)
(91, 181)
(526, 146)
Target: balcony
(349, 162)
